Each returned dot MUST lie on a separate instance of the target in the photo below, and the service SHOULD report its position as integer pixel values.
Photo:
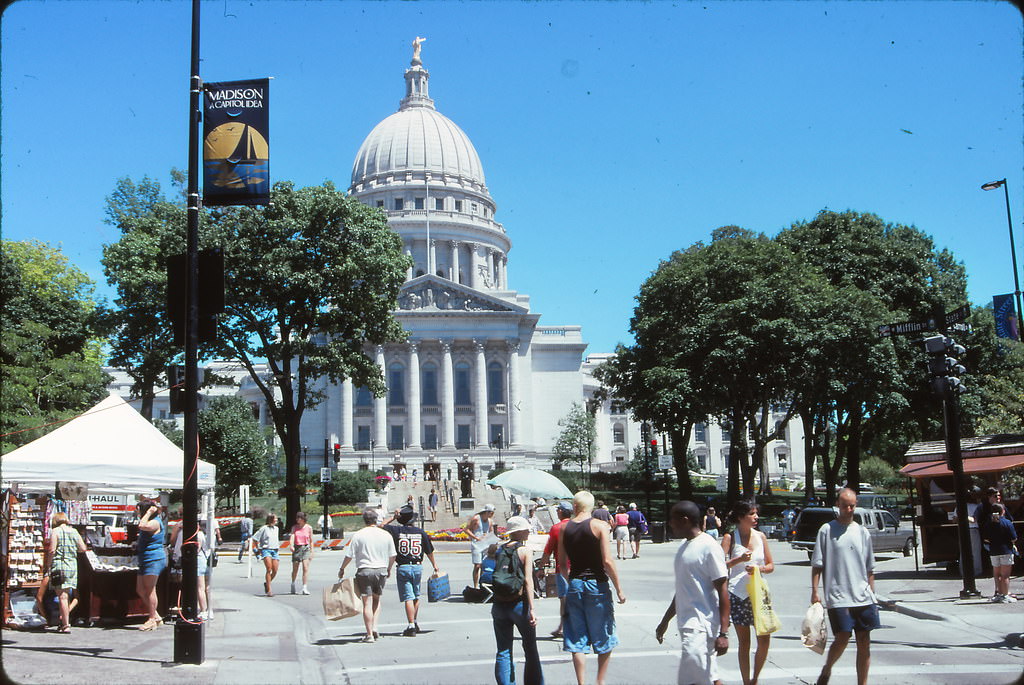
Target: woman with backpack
(512, 606)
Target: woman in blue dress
(152, 559)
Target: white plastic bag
(813, 633)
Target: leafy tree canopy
(50, 354)
(231, 438)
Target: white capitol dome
(417, 138)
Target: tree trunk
(680, 459)
(810, 453)
(733, 488)
(853, 450)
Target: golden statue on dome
(417, 45)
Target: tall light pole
(992, 185)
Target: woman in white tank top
(746, 547)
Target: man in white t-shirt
(844, 557)
(701, 602)
(373, 550)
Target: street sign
(950, 319)
(325, 474)
(664, 461)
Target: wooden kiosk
(985, 458)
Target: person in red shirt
(551, 550)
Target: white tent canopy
(109, 446)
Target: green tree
(311, 281)
(50, 356)
(349, 487)
(152, 228)
(576, 442)
(231, 439)
(874, 398)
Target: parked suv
(887, 535)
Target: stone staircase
(446, 519)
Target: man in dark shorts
(373, 550)
(412, 544)
(845, 559)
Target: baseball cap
(488, 507)
(516, 524)
(565, 506)
(406, 514)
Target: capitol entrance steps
(446, 518)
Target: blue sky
(611, 133)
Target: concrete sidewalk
(931, 593)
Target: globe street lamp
(992, 185)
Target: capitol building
(480, 377)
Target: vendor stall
(109, 449)
(985, 459)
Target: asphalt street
(285, 639)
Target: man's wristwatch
(723, 634)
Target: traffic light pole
(954, 458)
(646, 430)
(323, 493)
(188, 630)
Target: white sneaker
(305, 590)
(202, 615)
(1010, 598)
(209, 615)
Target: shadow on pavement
(93, 652)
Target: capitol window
(458, 205)
(618, 435)
(495, 384)
(438, 203)
(399, 203)
(380, 203)
(462, 384)
(418, 203)
(429, 384)
(396, 385)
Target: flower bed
(457, 534)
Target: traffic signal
(337, 452)
(654, 448)
(944, 365)
(176, 387)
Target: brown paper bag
(342, 601)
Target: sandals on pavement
(151, 624)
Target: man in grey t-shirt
(844, 557)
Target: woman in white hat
(512, 607)
(480, 534)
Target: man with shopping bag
(373, 550)
(844, 557)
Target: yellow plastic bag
(765, 620)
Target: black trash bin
(658, 531)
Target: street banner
(236, 147)
(1007, 325)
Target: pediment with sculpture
(431, 295)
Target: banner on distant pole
(1007, 325)
(236, 143)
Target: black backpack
(509, 575)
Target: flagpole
(430, 266)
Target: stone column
(409, 272)
(415, 420)
(347, 412)
(380, 406)
(474, 275)
(513, 394)
(447, 397)
(504, 272)
(332, 410)
(480, 399)
(432, 257)
(455, 261)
